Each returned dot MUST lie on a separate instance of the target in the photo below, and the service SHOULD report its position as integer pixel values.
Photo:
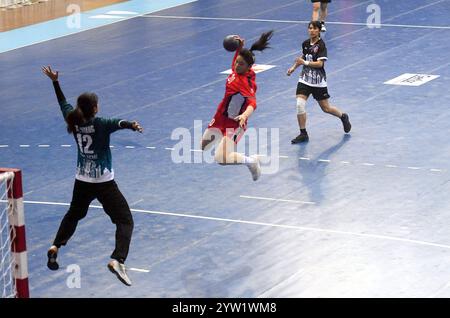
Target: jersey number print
(85, 139)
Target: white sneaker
(323, 28)
(119, 269)
(255, 168)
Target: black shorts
(319, 93)
(324, 1)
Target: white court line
(280, 156)
(292, 227)
(212, 52)
(213, 82)
(136, 202)
(66, 146)
(296, 21)
(138, 270)
(100, 26)
(272, 199)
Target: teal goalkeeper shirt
(94, 162)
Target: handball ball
(230, 43)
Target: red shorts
(228, 127)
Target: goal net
(13, 256)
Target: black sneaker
(346, 123)
(52, 263)
(300, 138)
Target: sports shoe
(300, 138)
(119, 269)
(323, 28)
(52, 254)
(346, 123)
(255, 168)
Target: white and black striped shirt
(315, 77)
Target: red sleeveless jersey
(240, 93)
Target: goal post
(13, 252)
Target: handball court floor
(359, 215)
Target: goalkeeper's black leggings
(114, 204)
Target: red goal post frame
(16, 218)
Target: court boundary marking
(266, 224)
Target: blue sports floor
(362, 215)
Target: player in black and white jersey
(313, 80)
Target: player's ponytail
(260, 45)
(85, 110)
(263, 42)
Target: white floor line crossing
(320, 160)
(273, 225)
(278, 200)
(295, 21)
(138, 270)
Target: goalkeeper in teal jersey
(94, 177)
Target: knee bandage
(301, 103)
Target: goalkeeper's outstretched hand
(47, 70)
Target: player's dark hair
(260, 45)
(84, 111)
(315, 25)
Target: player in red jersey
(230, 121)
